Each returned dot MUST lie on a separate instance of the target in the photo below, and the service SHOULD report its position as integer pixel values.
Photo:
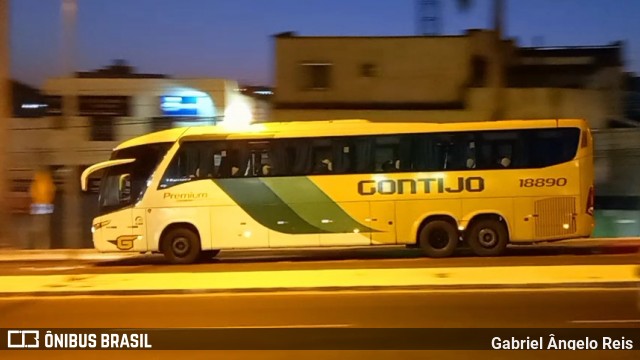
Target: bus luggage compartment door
(555, 217)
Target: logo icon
(23, 339)
(124, 242)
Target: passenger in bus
(324, 167)
(505, 162)
(390, 166)
(223, 168)
(471, 163)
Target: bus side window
(408, 146)
(323, 160)
(386, 154)
(342, 153)
(241, 165)
(504, 154)
(422, 153)
(280, 159)
(501, 149)
(221, 162)
(470, 163)
(183, 167)
(364, 159)
(264, 167)
(251, 159)
(302, 163)
(206, 167)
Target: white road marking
(312, 293)
(628, 321)
(281, 326)
(52, 268)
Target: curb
(56, 255)
(15, 255)
(479, 287)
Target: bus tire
(438, 239)
(181, 246)
(487, 237)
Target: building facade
(617, 170)
(78, 121)
(443, 78)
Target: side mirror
(84, 178)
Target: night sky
(232, 38)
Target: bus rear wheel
(181, 246)
(487, 238)
(438, 239)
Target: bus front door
(139, 229)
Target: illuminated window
(316, 76)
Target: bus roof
(336, 128)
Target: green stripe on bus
(314, 205)
(264, 206)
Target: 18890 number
(543, 182)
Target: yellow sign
(42, 188)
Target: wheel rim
(487, 238)
(180, 246)
(438, 239)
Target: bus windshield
(123, 185)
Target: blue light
(187, 102)
(186, 106)
(179, 106)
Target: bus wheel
(438, 239)
(181, 246)
(487, 238)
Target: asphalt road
(515, 308)
(333, 259)
(535, 308)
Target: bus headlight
(93, 229)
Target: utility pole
(5, 116)
(499, 98)
(429, 17)
(71, 174)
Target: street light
(72, 233)
(69, 13)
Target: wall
(438, 75)
(433, 71)
(617, 182)
(557, 103)
(519, 104)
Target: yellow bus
(190, 192)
